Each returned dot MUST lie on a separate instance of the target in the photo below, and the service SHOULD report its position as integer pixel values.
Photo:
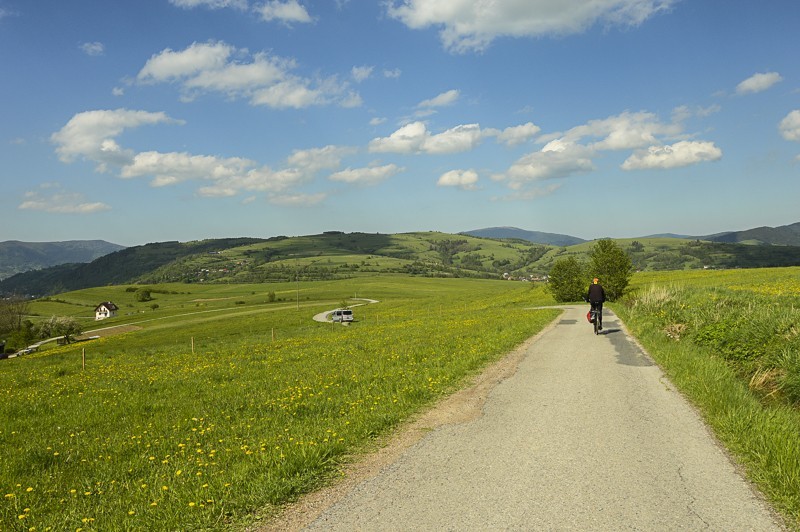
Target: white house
(105, 310)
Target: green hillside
(17, 257)
(337, 255)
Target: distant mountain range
(549, 239)
(17, 257)
(785, 235)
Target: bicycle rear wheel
(596, 323)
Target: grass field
(153, 436)
(730, 340)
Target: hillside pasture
(222, 406)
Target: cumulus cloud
(758, 82)
(53, 198)
(557, 159)
(443, 99)
(93, 48)
(92, 134)
(790, 126)
(515, 135)
(415, 138)
(677, 155)
(316, 159)
(623, 131)
(370, 175)
(285, 12)
(263, 79)
(464, 179)
(467, 25)
(361, 73)
(392, 74)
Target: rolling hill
(337, 255)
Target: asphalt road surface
(586, 434)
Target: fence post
(192, 344)
(83, 358)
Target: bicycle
(594, 316)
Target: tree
(12, 310)
(609, 263)
(143, 295)
(60, 326)
(567, 280)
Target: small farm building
(105, 310)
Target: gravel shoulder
(570, 431)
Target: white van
(342, 315)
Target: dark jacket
(596, 293)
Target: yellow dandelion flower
(191, 504)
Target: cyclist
(596, 297)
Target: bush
(567, 280)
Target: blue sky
(158, 120)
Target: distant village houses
(105, 310)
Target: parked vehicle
(342, 315)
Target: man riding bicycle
(596, 297)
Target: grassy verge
(730, 341)
(151, 436)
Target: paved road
(587, 435)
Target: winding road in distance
(583, 432)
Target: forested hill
(335, 255)
(17, 257)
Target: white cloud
(468, 25)
(465, 179)
(392, 74)
(515, 135)
(93, 48)
(758, 82)
(558, 159)
(378, 120)
(169, 65)
(622, 132)
(53, 199)
(443, 99)
(370, 175)
(683, 153)
(286, 12)
(454, 140)
(315, 159)
(407, 139)
(118, 91)
(790, 126)
(415, 138)
(211, 4)
(361, 73)
(264, 80)
(91, 135)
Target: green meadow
(215, 404)
(226, 401)
(730, 341)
